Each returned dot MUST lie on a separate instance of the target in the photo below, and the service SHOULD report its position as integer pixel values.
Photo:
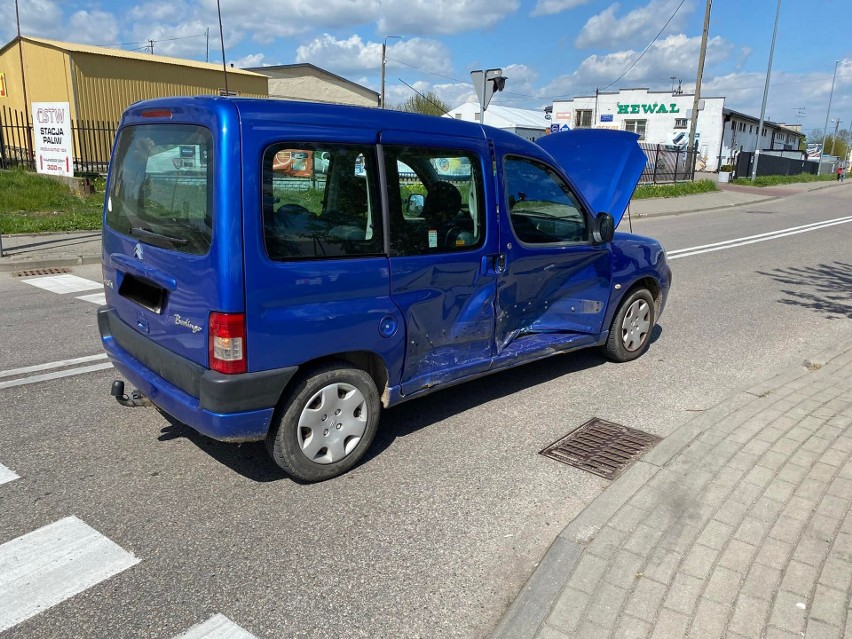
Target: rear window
(161, 186)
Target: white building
(662, 117)
(527, 123)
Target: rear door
(316, 268)
(443, 248)
(170, 223)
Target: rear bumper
(224, 407)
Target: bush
(727, 168)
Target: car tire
(325, 423)
(630, 332)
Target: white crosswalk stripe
(47, 566)
(97, 298)
(63, 283)
(6, 475)
(217, 627)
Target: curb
(22, 265)
(535, 600)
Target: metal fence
(667, 164)
(91, 142)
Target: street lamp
(827, 113)
(765, 95)
(384, 62)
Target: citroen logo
(137, 252)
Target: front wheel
(630, 332)
(326, 424)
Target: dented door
(555, 283)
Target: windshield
(161, 186)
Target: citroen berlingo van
(284, 271)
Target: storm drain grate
(601, 447)
(42, 271)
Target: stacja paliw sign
(636, 109)
(52, 133)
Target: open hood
(604, 165)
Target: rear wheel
(630, 332)
(326, 423)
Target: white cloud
(424, 17)
(157, 11)
(551, 7)
(637, 27)
(676, 55)
(453, 94)
(94, 27)
(251, 60)
(269, 19)
(39, 18)
(353, 55)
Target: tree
(425, 103)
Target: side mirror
(603, 229)
(414, 207)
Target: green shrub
(677, 189)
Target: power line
(430, 101)
(646, 48)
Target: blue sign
(565, 127)
(554, 128)
(606, 117)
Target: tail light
(228, 342)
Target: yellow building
(99, 83)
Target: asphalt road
(436, 532)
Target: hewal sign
(52, 133)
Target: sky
(548, 49)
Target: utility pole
(828, 112)
(151, 45)
(384, 62)
(207, 56)
(765, 94)
(694, 119)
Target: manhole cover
(601, 447)
(42, 271)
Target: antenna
(222, 40)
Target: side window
(321, 201)
(436, 200)
(542, 208)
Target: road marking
(6, 475)
(753, 239)
(55, 375)
(63, 283)
(217, 627)
(52, 564)
(13, 372)
(97, 298)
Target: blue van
(282, 271)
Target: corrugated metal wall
(48, 77)
(106, 86)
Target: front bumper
(224, 407)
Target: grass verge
(31, 203)
(775, 180)
(678, 189)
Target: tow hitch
(133, 400)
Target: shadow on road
(825, 288)
(253, 462)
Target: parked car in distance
(284, 271)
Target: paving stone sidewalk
(737, 525)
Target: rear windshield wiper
(158, 239)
